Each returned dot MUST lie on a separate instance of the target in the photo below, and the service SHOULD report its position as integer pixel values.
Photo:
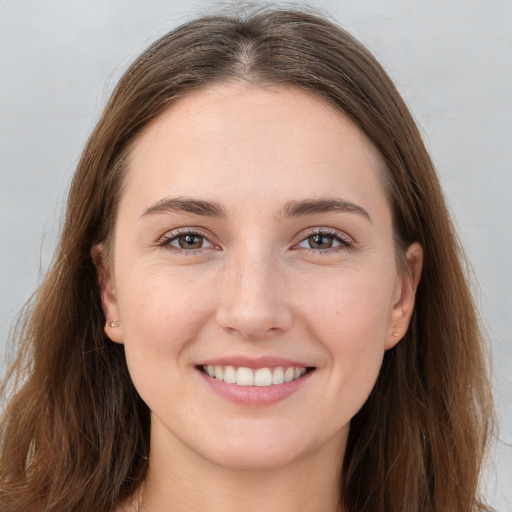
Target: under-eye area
(243, 376)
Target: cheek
(162, 300)
(162, 313)
(349, 316)
(353, 306)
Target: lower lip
(255, 396)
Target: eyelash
(166, 240)
(345, 242)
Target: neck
(181, 480)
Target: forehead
(232, 139)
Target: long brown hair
(75, 434)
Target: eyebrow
(291, 209)
(312, 206)
(180, 204)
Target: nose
(253, 302)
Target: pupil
(190, 241)
(320, 242)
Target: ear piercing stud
(395, 335)
(114, 324)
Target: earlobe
(407, 285)
(106, 283)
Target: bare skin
(253, 226)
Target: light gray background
(451, 59)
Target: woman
(258, 299)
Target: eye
(186, 241)
(325, 240)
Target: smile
(261, 377)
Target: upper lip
(255, 362)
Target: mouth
(261, 377)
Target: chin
(268, 447)
(255, 458)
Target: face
(254, 276)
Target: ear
(405, 294)
(113, 327)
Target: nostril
(253, 321)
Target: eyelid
(346, 241)
(164, 240)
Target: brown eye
(189, 241)
(186, 241)
(320, 241)
(323, 241)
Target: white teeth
(244, 376)
(261, 377)
(230, 374)
(289, 374)
(278, 376)
(299, 372)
